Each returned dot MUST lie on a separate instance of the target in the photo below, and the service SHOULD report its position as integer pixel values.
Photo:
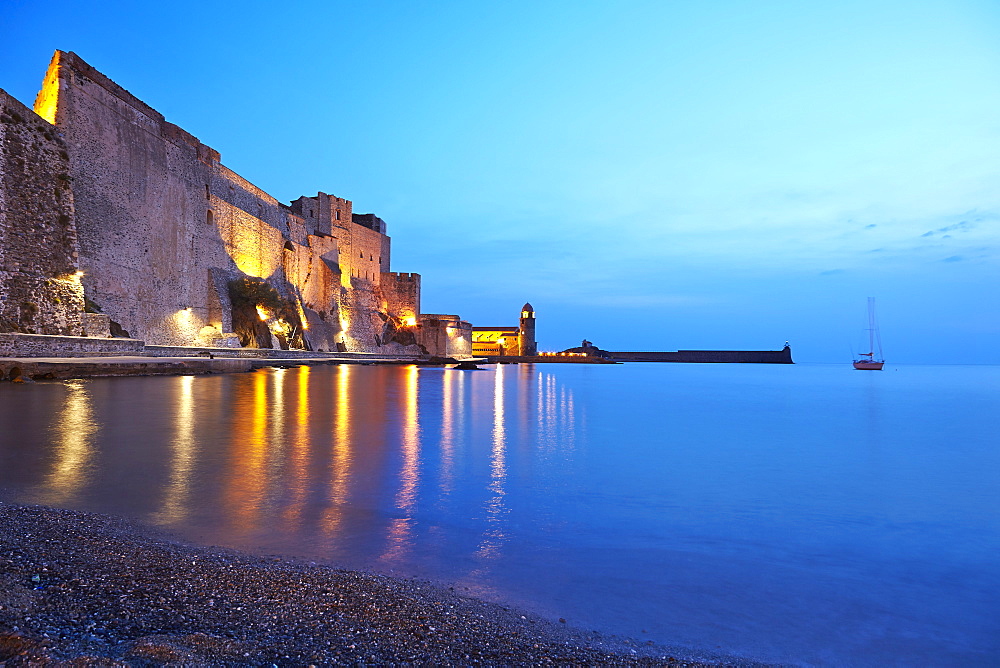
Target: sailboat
(868, 361)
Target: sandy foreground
(82, 589)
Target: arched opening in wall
(209, 217)
(338, 214)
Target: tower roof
(528, 307)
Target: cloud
(870, 226)
(963, 225)
(953, 258)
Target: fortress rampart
(40, 291)
(402, 295)
(162, 231)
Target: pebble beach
(92, 590)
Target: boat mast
(873, 333)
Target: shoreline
(32, 369)
(104, 591)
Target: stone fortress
(114, 221)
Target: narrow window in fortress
(338, 214)
(209, 217)
(208, 194)
(361, 255)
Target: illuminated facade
(40, 290)
(164, 231)
(507, 341)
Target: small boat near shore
(869, 361)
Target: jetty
(588, 349)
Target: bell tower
(527, 338)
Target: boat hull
(868, 366)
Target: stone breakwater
(83, 589)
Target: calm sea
(809, 514)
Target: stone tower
(527, 338)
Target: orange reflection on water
(400, 534)
(276, 420)
(248, 452)
(74, 429)
(176, 501)
(299, 452)
(340, 466)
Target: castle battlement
(174, 247)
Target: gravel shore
(90, 590)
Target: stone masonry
(40, 291)
(162, 229)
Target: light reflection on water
(73, 436)
(401, 527)
(801, 514)
(183, 446)
(493, 537)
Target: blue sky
(650, 175)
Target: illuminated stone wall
(40, 291)
(363, 252)
(164, 228)
(445, 335)
(362, 256)
(401, 292)
(140, 190)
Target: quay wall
(15, 345)
(40, 369)
(783, 356)
(269, 353)
(39, 345)
(542, 359)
